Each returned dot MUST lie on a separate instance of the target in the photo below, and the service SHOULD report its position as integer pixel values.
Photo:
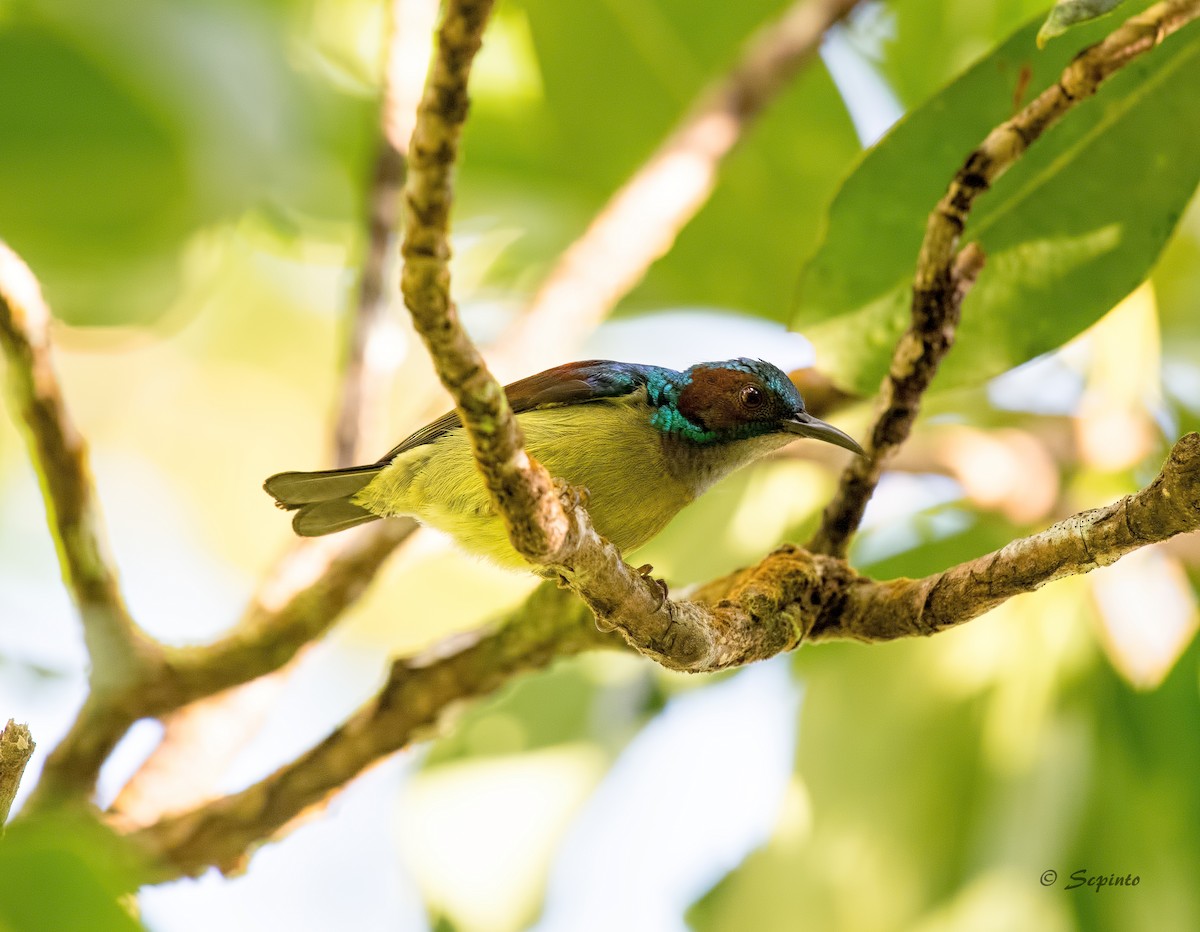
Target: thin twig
(944, 273)
(364, 379)
(641, 220)
(16, 747)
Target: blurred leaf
(128, 127)
(1072, 228)
(1068, 13)
(64, 873)
(1141, 768)
(608, 83)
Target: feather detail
(573, 383)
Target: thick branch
(941, 279)
(641, 220)
(522, 488)
(118, 648)
(1168, 506)
(16, 747)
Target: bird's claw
(664, 593)
(571, 496)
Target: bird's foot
(664, 593)
(571, 496)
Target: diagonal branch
(944, 274)
(122, 656)
(528, 499)
(119, 649)
(641, 220)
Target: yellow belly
(604, 447)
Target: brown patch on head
(714, 400)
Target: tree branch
(119, 650)
(641, 220)
(1170, 505)
(363, 380)
(16, 747)
(122, 656)
(526, 494)
(944, 274)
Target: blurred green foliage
(64, 873)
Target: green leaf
(1068, 13)
(65, 872)
(1074, 226)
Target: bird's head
(720, 402)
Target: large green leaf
(1072, 228)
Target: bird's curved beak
(804, 424)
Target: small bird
(642, 440)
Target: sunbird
(643, 441)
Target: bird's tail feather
(321, 500)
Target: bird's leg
(664, 593)
(572, 496)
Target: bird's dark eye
(753, 397)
